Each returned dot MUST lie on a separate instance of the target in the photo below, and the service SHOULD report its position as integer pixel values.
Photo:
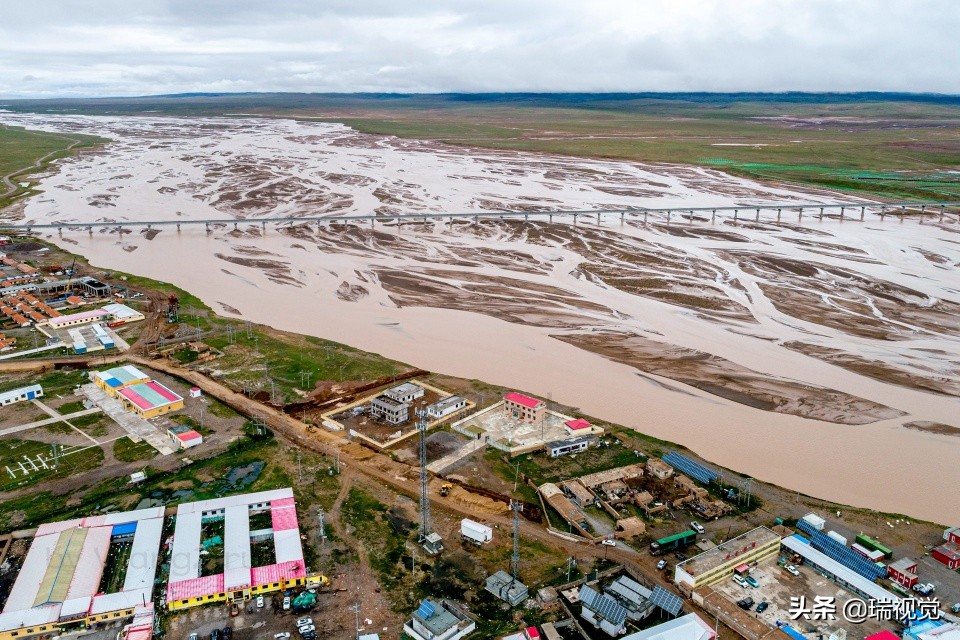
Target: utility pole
(426, 526)
(571, 563)
(516, 506)
(516, 476)
(323, 530)
(299, 468)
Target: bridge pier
(178, 227)
(644, 217)
(842, 209)
(90, 230)
(736, 212)
(549, 217)
(758, 215)
(476, 219)
(941, 213)
(883, 212)
(713, 217)
(207, 224)
(263, 225)
(668, 216)
(821, 213)
(923, 211)
(235, 226)
(863, 210)
(574, 219)
(800, 215)
(778, 215)
(903, 212)
(60, 230)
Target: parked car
(955, 608)
(303, 621)
(661, 565)
(227, 633)
(283, 635)
(745, 604)
(762, 606)
(286, 603)
(609, 542)
(259, 602)
(752, 581)
(680, 555)
(307, 628)
(792, 570)
(924, 589)
(696, 526)
(194, 636)
(740, 581)
(215, 635)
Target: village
(535, 520)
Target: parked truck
(675, 542)
(474, 532)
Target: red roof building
(886, 634)
(577, 426)
(903, 572)
(948, 554)
(524, 408)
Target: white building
(438, 621)
(21, 394)
(122, 313)
(406, 392)
(602, 611)
(688, 627)
(445, 407)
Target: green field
(24, 152)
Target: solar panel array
(841, 553)
(426, 609)
(604, 605)
(687, 466)
(665, 600)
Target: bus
(680, 540)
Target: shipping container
(873, 545)
(475, 532)
(680, 540)
(836, 536)
(815, 521)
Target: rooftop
(801, 545)
(726, 551)
(949, 550)
(119, 376)
(404, 389)
(149, 395)
(577, 424)
(388, 401)
(435, 617)
(688, 627)
(524, 401)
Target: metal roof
(236, 547)
(141, 570)
(149, 395)
(29, 617)
(688, 627)
(185, 555)
(849, 576)
(523, 400)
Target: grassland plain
(890, 145)
(24, 152)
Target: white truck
(474, 532)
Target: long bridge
(843, 210)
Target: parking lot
(777, 586)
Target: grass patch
(30, 453)
(23, 152)
(126, 450)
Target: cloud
(138, 47)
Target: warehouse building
(239, 580)
(688, 627)
(122, 314)
(74, 319)
(830, 568)
(720, 562)
(20, 395)
(150, 399)
(113, 380)
(58, 586)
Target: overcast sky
(137, 47)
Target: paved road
(42, 423)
